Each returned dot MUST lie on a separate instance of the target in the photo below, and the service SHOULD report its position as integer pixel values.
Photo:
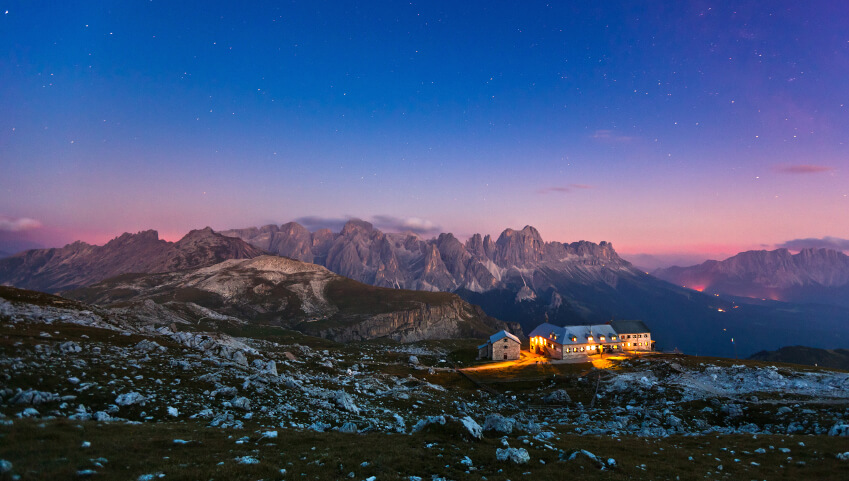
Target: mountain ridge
(79, 263)
(815, 275)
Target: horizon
(675, 132)
(638, 259)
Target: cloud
(564, 189)
(803, 169)
(399, 224)
(386, 223)
(611, 136)
(313, 223)
(826, 242)
(20, 224)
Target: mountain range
(81, 264)
(273, 290)
(811, 276)
(518, 278)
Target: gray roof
(581, 334)
(501, 335)
(629, 327)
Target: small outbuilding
(501, 346)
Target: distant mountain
(297, 295)
(81, 264)
(4, 254)
(812, 276)
(521, 278)
(833, 358)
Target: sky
(675, 130)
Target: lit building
(572, 342)
(635, 334)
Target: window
(505, 346)
(505, 356)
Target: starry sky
(674, 130)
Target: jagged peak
(354, 226)
(126, 237)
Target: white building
(575, 342)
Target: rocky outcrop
(81, 264)
(299, 295)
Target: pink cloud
(19, 224)
(564, 189)
(804, 169)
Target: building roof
(483, 345)
(629, 327)
(581, 334)
(501, 335)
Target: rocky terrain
(271, 403)
(812, 275)
(81, 264)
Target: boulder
(841, 430)
(345, 402)
(559, 396)
(499, 424)
(129, 399)
(515, 455)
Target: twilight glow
(688, 129)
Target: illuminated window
(601, 338)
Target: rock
(474, 429)
(147, 346)
(239, 358)
(839, 429)
(840, 456)
(242, 403)
(413, 360)
(129, 399)
(69, 347)
(247, 460)
(499, 424)
(5, 466)
(783, 410)
(559, 396)
(344, 401)
(349, 427)
(173, 412)
(592, 457)
(31, 396)
(28, 413)
(515, 455)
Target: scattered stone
(498, 423)
(247, 460)
(130, 398)
(559, 396)
(515, 455)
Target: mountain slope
(80, 264)
(832, 358)
(812, 275)
(306, 297)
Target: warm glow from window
(590, 338)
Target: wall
(512, 349)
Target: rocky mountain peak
(357, 226)
(519, 248)
(145, 236)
